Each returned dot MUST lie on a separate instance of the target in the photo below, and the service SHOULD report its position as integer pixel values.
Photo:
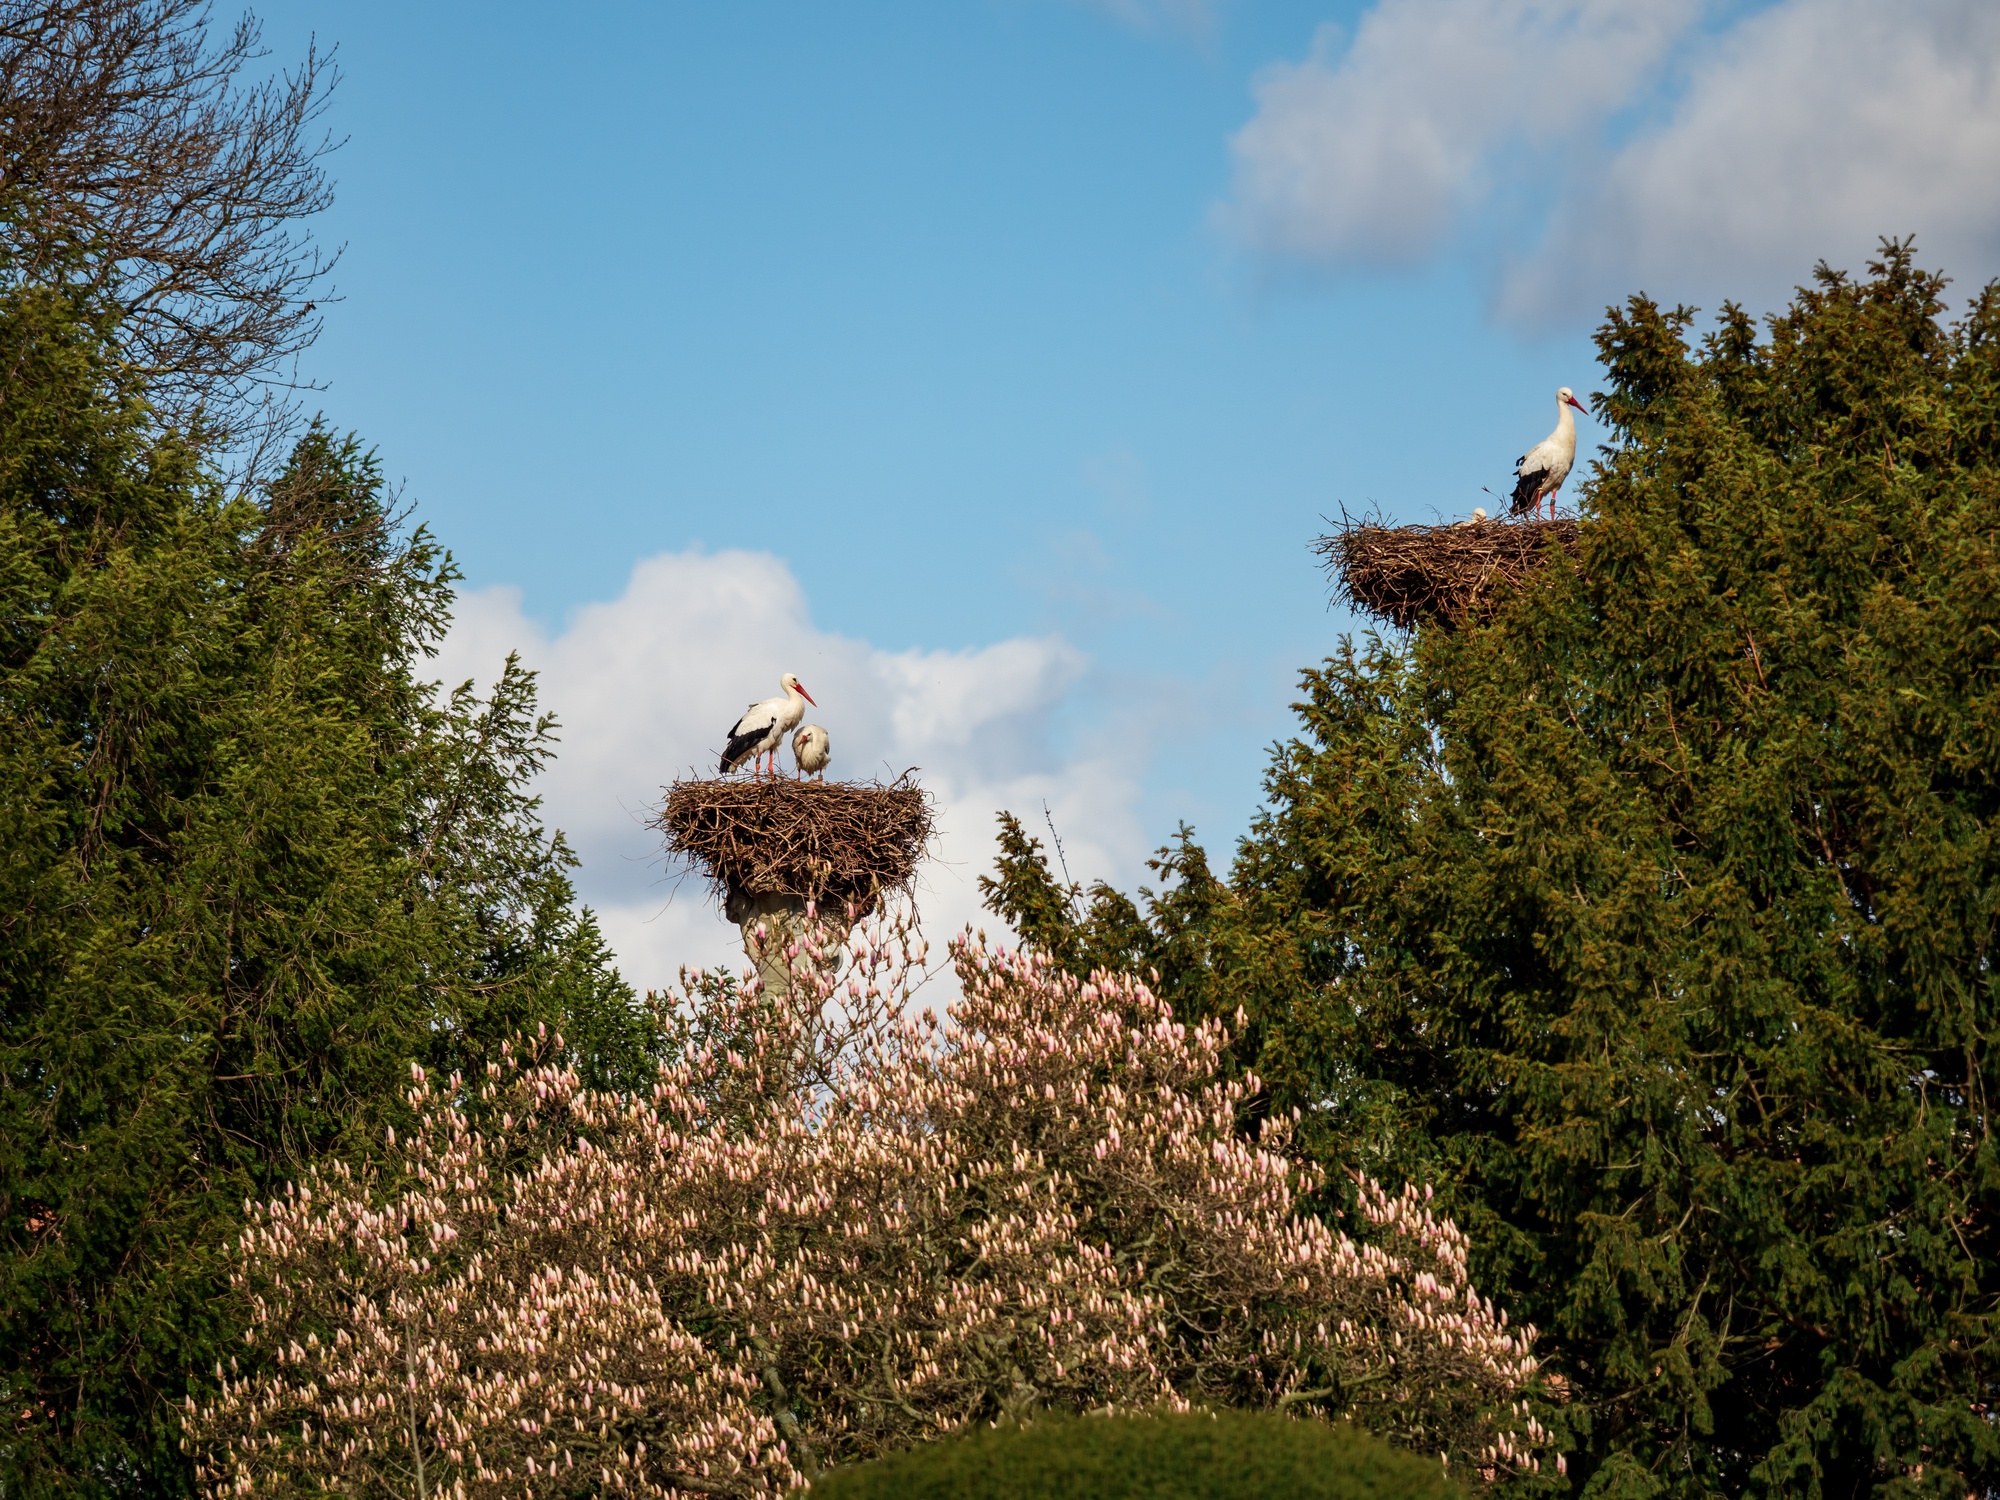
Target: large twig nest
(1444, 574)
(836, 843)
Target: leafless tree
(143, 159)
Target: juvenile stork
(1544, 467)
(763, 727)
(811, 750)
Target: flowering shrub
(831, 1231)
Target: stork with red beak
(1544, 467)
(763, 727)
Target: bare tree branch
(138, 163)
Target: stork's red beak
(1578, 405)
(806, 695)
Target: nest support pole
(771, 924)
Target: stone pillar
(783, 919)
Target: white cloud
(1369, 154)
(1631, 145)
(646, 684)
(1809, 131)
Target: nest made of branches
(1446, 574)
(830, 842)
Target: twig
(1069, 885)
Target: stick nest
(844, 842)
(1445, 574)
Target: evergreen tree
(1172, 940)
(1653, 918)
(250, 870)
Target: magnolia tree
(834, 1229)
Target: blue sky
(1024, 320)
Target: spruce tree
(1653, 917)
(251, 868)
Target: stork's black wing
(741, 747)
(1528, 489)
(746, 736)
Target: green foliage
(1654, 919)
(249, 871)
(1197, 1456)
(1172, 940)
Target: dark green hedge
(1219, 1456)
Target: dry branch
(144, 159)
(829, 842)
(1443, 574)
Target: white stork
(763, 727)
(1545, 466)
(811, 750)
